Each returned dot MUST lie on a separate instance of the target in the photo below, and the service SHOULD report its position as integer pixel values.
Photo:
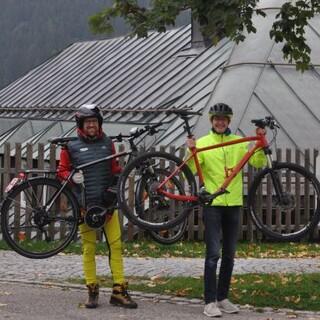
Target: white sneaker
(227, 306)
(211, 310)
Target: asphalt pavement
(38, 289)
(20, 301)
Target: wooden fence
(17, 157)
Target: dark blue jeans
(219, 222)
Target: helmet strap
(227, 132)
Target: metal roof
(131, 78)
(124, 76)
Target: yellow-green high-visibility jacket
(216, 164)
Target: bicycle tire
(134, 171)
(293, 217)
(168, 236)
(28, 228)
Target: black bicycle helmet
(220, 109)
(88, 111)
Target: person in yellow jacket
(93, 144)
(222, 217)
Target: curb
(155, 297)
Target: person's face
(91, 127)
(220, 123)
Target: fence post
(52, 158)
(6, 164)
(40, 156)
(288, 220)
(315, 171)
(18, 159)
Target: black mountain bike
(40, 215)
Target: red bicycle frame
(261, 142)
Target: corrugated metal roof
(104, 72)
(126, 75)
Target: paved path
(62, 267)
(30, 302)
(16, 272)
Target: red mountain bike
(283, 199)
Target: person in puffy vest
(222, 216)
(93, 144)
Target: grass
(197, 250)
(297, 292)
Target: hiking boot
(227, 306)
(93, 296)
(120, 297)
(211, 310)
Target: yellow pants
(112, 232)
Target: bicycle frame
(261, 143)
(83, 166)
(131, 152)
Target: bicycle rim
(139, 200)
(170, 236)
(292, 215)
(167, 236)
(29, 228)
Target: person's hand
(191, 143)
(78, 177)
(261, 131)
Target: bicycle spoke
(285, 207)
(33, 230)
(140, 198)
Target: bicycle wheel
(34, 228)
(170, 236)
(155, 211)
(284, 201)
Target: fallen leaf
(183, 292)
(151, 285)
(157, 276)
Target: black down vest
(99, 176)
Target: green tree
(217, 19)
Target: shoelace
(125, 293)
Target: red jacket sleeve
(64, 166)
(115, 167)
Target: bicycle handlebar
(151, 129)
(62, 141)
(269, 122)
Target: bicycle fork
(276, 180)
